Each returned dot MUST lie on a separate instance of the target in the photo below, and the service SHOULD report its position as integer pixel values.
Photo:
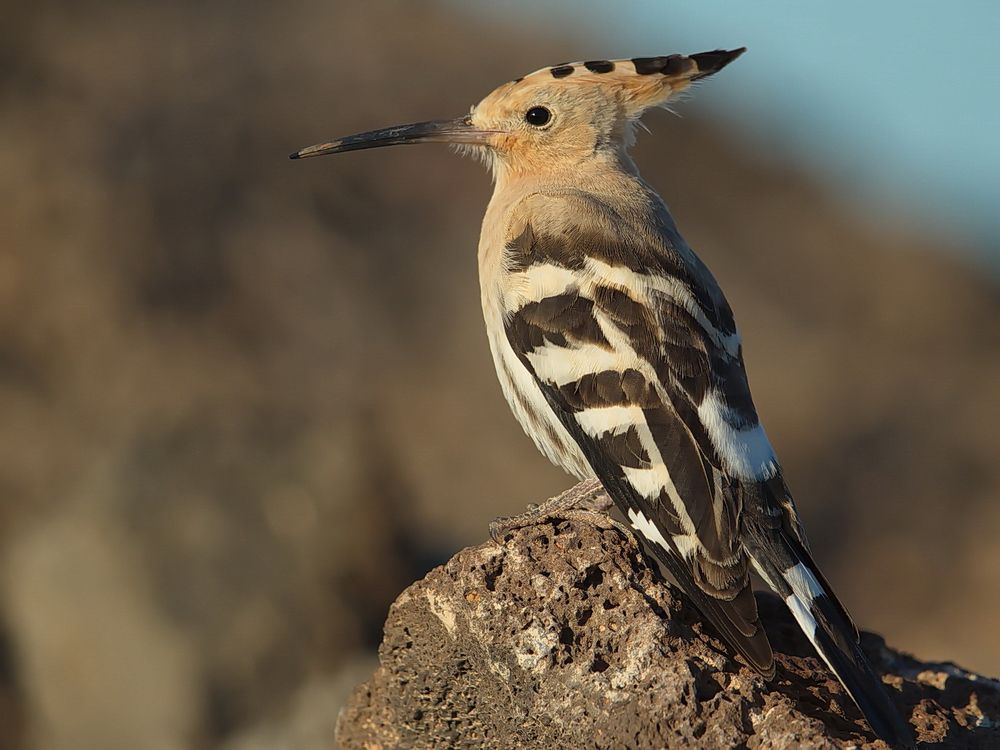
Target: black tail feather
(855, 673)
(789, 569)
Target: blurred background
(245, 401)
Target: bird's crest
(644, 81)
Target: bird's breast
(501, 291)
(532, 411)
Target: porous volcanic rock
(566, 637)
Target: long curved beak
(459, 130)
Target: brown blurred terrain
(245, 401)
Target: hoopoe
(618, 353)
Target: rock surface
(565, 637)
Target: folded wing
(643, 369)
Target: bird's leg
(586, 501)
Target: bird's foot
(586, 501)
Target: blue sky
(896, 101)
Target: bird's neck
(588, 173)
(611, 177)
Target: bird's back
(608, 243)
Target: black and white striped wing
(644, 372)
(627, 339)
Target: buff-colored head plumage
(562, 113)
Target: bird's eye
(537, 116)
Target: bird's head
(556, 117)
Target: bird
(619, 355)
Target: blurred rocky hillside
(245, 401)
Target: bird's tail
(789, 570)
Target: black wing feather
(735, 619)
